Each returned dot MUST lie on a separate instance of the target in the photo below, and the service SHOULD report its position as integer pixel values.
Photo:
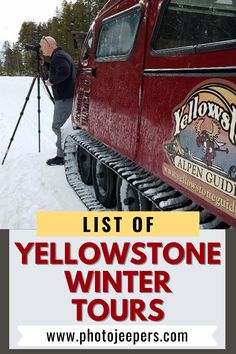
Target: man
(62, 79)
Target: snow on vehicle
(155, 104)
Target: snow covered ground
(27, 184)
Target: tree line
(70, 22)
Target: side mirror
(78, 37)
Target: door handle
(94, 70)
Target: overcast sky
(14, 12)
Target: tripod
(36, 78)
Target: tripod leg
(48, 91)
(18, 122)
(39, 110)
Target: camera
(35, 48)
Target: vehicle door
(117, 69)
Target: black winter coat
(62, 74)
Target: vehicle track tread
(163, 196)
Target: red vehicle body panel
(137, 107)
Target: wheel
(129, 199)
(85, 165)
(104, 182)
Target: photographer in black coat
(62, 79)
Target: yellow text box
(117, 223)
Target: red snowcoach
(156, 106)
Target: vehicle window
(88, 45)
(117, 35)
(193, 22)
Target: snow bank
(27, 184)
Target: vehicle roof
(108, 6)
